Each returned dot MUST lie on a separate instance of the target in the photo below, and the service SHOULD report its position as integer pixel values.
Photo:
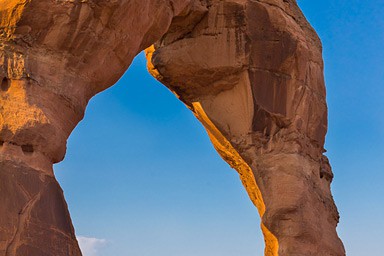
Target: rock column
(252, 72)
(55, 56)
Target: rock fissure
(23, 217)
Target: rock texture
(250, 70)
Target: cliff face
(251, 71)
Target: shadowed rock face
(251, 71)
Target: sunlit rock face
(54, 56)
(251, 71)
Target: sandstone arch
(250, 70)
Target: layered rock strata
(251, 71)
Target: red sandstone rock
(250, 70)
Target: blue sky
(141, 177)
(353, 35)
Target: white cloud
(90, 246)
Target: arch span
(250, 70)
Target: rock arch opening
(203, 208)
(251, 71)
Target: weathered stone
(251, 71)
(54, 56)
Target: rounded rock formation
(250, 70)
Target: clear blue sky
(141, 175)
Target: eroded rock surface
(54, 56)
(251, 71)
